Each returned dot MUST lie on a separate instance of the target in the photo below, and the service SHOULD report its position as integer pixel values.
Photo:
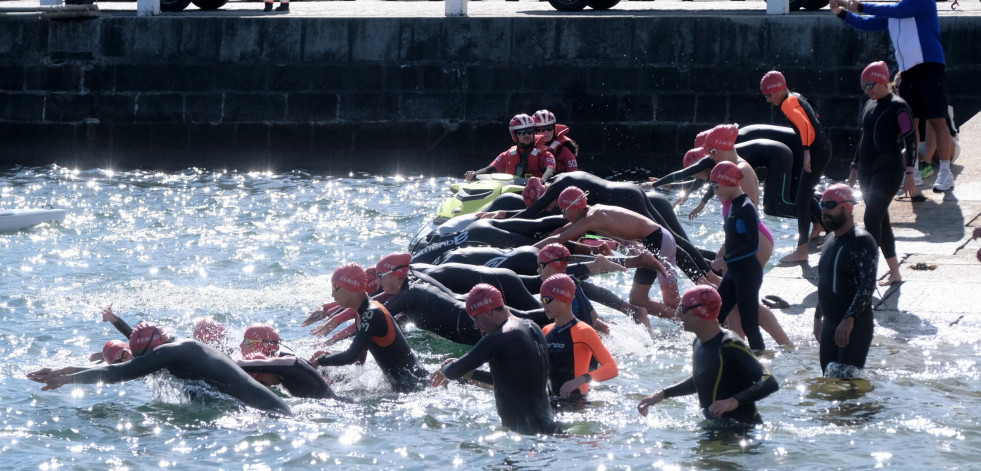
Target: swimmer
(572, 345)
(843, 322)
(727, 377)
(525, 157)
(154, 350)
(263, 360)
(377, 333)
(518, 358)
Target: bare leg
(798, 255)
(640, 296)
(894, 276)
(768, 322)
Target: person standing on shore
(843, 320)
(914, 28)
(817, 152)
(284, 6)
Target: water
(247, 248)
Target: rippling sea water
(260, 247)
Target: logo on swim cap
(395, 264)
(482, 299)
(773, 82)
(572, 197)
(145, 337)
(351, 277)
(877, 72)
(726, 174)
(722, 137)
(703, 301)
(559, 287)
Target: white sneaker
(945, 182)
(917, 179)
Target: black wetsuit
(885, 123)
(723, 368)
(740, 285)
(493, 232)
(296, 375)
(432, 309)
(518, 362)
(846, 283)
(784, 135)
(624, 195)
(506, 202)
(820, 149)
(518, 290)
(521, 260)
(191, 360)
(381, 336)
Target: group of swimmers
(504, 280)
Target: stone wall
(419, 95)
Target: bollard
(777, 7)
(456, 7)
(147, 7)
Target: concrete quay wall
(420, 95)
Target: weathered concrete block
(23, 39)
(674, 107)
(489, 139)
(963, 80)
(155, 39)
(477, 40)
(54, 77)
(663, 41)
(200, 39)
(368, 107)
(443, 139)
(281, 40)
(640, 107)
(210, 137)
(291, 138)
(326, 41)
(239, 77)
(615, 78)
(332, 137)
(11, 78)
(724, 78)
(291, 78)
(67, 107)
(21, 106)
(493, 78)
(630, 139)
(441, 77)
(535, 41)
(70, 40)
(254, 107)
(241, 40)
(97, 78)
(431, 106)
(710, 108)
(251, 139)
(361, 77)
(664, 79)
(591, 40)
(132, 139)
(144, 77)
(593, 107)
(553, 78)
(115, 34)
(747, 109)
(203, 108)
(159, 108)
(311, 107)
(419, 40)
(375, 41)
(409, 136)
(114, 108)
(170, 139)
(485, 106)
(840, 111)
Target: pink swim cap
(722, 137)
(351, 277)
(261, 338)
(534, 189)
(703, 301)
(693, 156)
(559, 287)
(773, 82)
(877, 72)
(554, 253)
(145, 337)
(209, 331)
(482, 299)
(726, 174)
(371, 277)
(395, 264)
(572, 197)
(840, 193)
(113, 351)
(700, 138)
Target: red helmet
(544, 118)
(519, 122)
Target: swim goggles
(547, 299)
(383, 275)
(573, 203)
(832, 204)
(248, 341)
(545, 263)
(688, 308)
(868, 86)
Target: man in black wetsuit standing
(515, 349)
(377, 333)
(843, 320)
(726, 375)
(154, 350)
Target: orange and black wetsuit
(813, 138)
(378, 333)
(723, 368)
(571, 347)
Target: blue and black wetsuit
(740, 285)
(724, 368)
(296, 375)
(518, 360)
(191, 360)
(503, 233)
(887, 128)
(381, 336)
(846, 283)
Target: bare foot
(795, 256)
(893, 278)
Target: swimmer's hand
(601, 264)
(844, 331)
(97, 357)
(718, 264)
(600, 326)
(722, 406)
(694, 212)
(572, 385)
(438, 379)
(319, 314)
(108, 315)
(681, 200)
(491, 215)
(316, 356)
(648, 185)
(53, 379)
(649, 401)
(470, 175)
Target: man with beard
(843, 320)
(523, 158)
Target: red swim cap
(482, 299)
(693, 156)
(351, 277)
(393, 264)
(261, 338)
(534, 189)
(554, 253)
(572, 197)
(726, 173)
(840, 193)
(722, 137)
(113, 351)
(145, 337)
(773, 82)
(209, 331)
(371, 275)
(703, 301)
(877, 72)
(700, 138)
(559, 287)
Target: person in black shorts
(878, 165)
(843, 322)
(727, 376)
(518, 358)
(377, 333)
(154, 350)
